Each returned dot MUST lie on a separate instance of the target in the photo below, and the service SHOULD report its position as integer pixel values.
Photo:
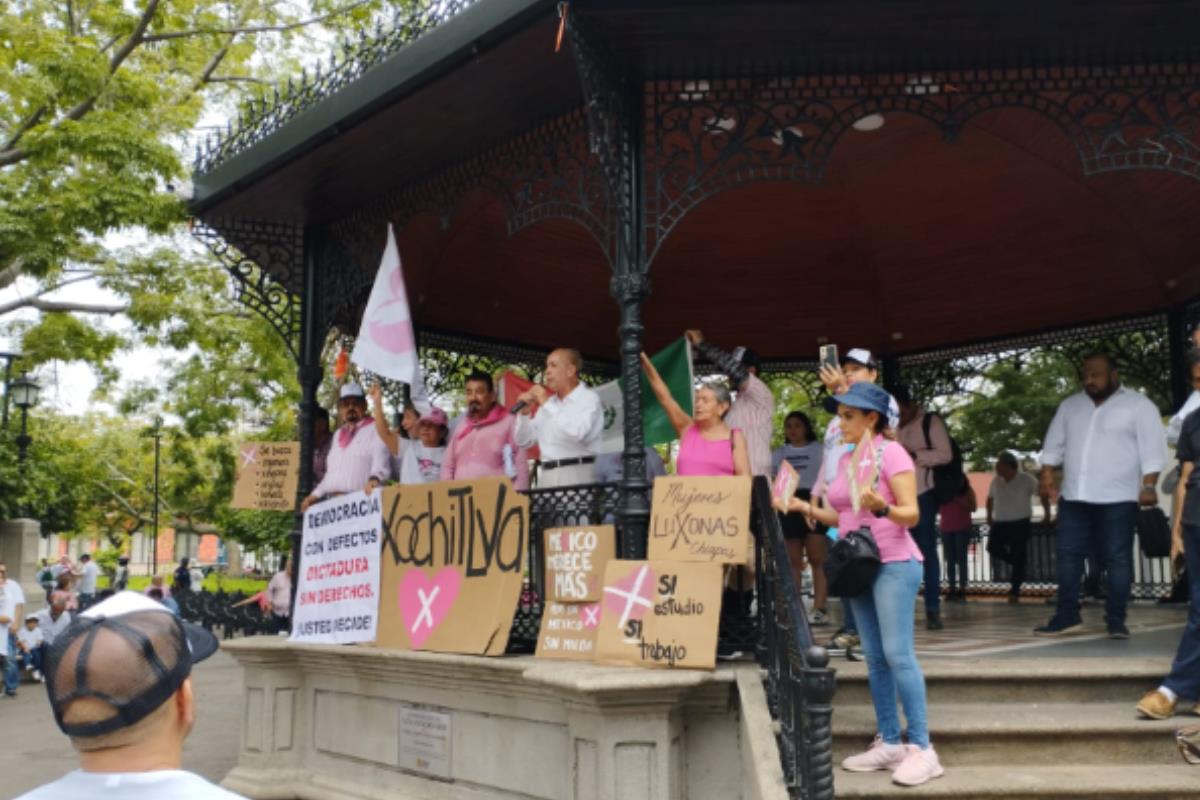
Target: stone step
(1037, 781)
(970, 734)
(1012, 680)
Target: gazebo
(919, 177)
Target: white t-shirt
(805, 460)
(50, 627)
(168, 783)
(421, 464)
(11, 596)
(87, 583)
(1013, 500)
(30, 638)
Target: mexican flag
(674, 364)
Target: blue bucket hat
(864, 396)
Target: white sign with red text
(337, 596)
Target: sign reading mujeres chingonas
(701, 519)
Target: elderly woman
(876, 488)
(707, 446)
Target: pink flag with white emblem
(386, 345)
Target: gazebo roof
(998, 232)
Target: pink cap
(435, 417)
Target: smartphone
(829, 356)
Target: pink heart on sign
(632, 596)
(424, 603)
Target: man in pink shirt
(476, 448)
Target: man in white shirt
(358, 458)
(1010, 517)
(54, 618)
(1110, 444)
(568, 425)
(89, 571)
(12, 616)
(126, 720)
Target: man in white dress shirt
(1109, 442)
(358, 458)
(568, 425)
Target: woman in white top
(396, 439)
(803, 451)
(422, 462)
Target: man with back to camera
(119, 684)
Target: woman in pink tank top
(707, 446)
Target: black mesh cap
(118, 662)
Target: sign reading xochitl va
(454, 555)
(337, 591)
(701, 519)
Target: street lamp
(24, 391)
(9, 358)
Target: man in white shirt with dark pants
(1110, 443)
(568, 425)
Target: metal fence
(1152, 577)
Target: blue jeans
(925, 534)
(32, 659)
(885, 623)
(1105, 529)
(12, 675)
(1184, 679)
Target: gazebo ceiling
(909, 243)
(993, 234)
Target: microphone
(518, 407)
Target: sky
(67, 387)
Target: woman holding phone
(876, 488)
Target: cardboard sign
(660, 614)
(701, 519)
(783, 488)
(575, 559)
(454, 556)
(337, 595)
(569, 631)
(267, 476)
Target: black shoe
(933, 621)
(1117, 630)
(1056, 627)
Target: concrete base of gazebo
(359, 722)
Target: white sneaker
(878, 756)
(819, 618)
(919, 766)
(37, 676)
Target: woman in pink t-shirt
(876, 488)
(707, 446)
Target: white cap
(862, 356)
(351, 389)
(125, 602)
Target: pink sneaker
(918, 767)
(878, 756)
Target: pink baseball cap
(435, 417)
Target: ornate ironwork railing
(799, 682)
(263, 116)
(1152, 577)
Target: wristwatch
(883, 512)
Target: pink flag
(386, 345)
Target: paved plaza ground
(32, 751)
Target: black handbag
(1154, 532)
(852, 564)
